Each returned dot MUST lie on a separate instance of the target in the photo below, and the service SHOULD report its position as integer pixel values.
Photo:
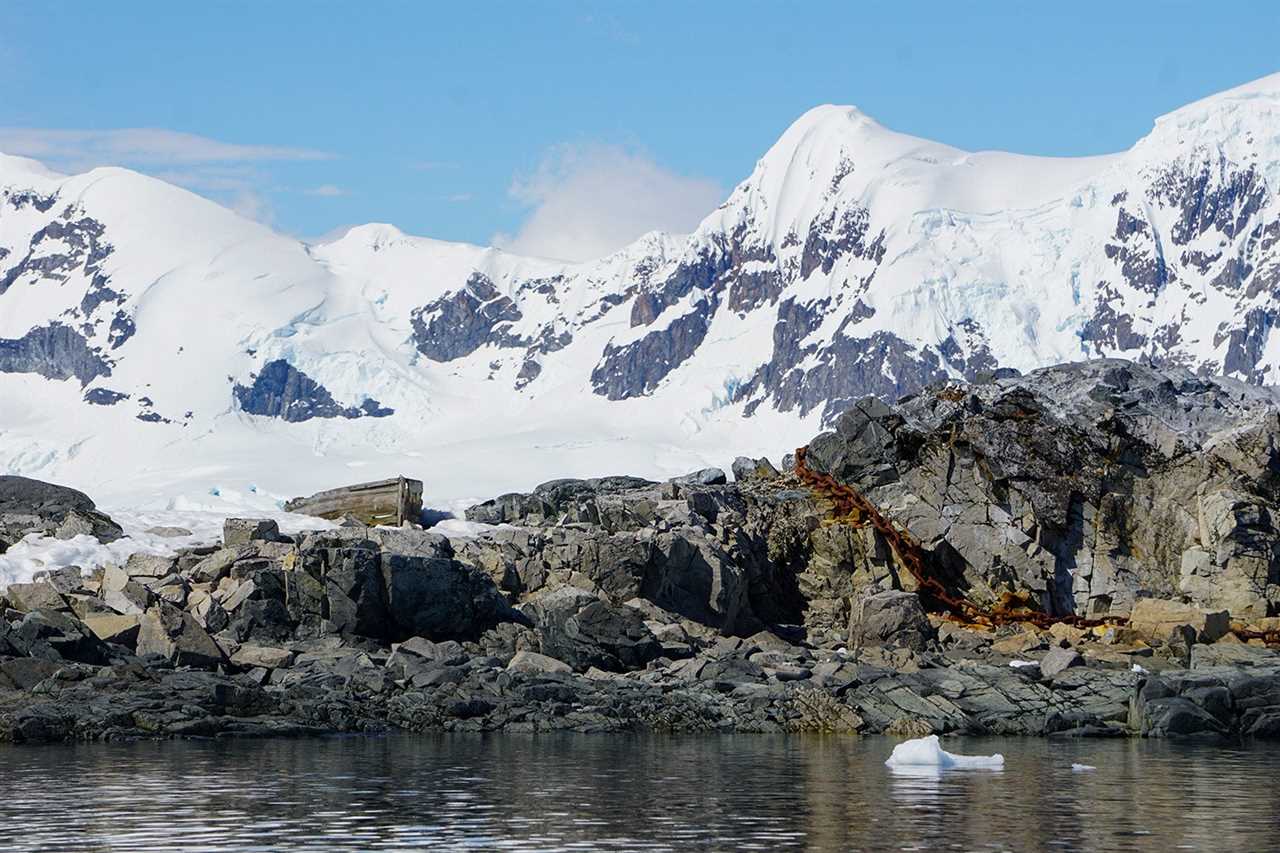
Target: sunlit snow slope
(156, 350)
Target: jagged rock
(1178, 717)
(216, 566)
(582, 630)
(566, 501)
(1235, 655)
(746, 468)
(32, 506)
(437, 597)
(280, 390)
(65, 580)
(526, 661)
(131, 598)
(26, 673)
(242, 531)
(27, 597)
(120, 630)
(701, 477)
(171, 588)
(208, 612)
(1083, 485)
(266, 657)
(892, 618)
(1058, 660)
(141, 565)
(1156, 619)
(175, 636)
(55, 635)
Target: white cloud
(587, 201)
(326, 191)
(252, 205)
(227, 172)
(149, 147)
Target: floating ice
(1082, 768)
(925, 752)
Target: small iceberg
(1082, 768)
(925, 752)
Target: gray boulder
(33, 506)
(54, 635)
(1058, 660)
(701, 477)
(746, 468)
(582, 630)
(26, 597)
(174, 635)
(526, 661)
(892, 618)
(242, 531)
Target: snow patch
(36, 553)
(458, 528)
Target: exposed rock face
(457, 325)
(33, 506)
(583, 630)
(282, 391)
(1088, 485)
(54, 351)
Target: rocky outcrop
(280, 390)
(32, 506)
(55, 351)
(1086, 486)
(457, 325)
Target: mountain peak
(1243, 123)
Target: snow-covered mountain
(157, 346)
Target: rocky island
(1134, 505)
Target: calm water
(577, 792)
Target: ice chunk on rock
(925, 752)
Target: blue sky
(562, 127)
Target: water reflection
(631, 793)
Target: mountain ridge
(853, 260)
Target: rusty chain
(851, 507)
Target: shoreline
(724, 691)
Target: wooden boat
(386, 502)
